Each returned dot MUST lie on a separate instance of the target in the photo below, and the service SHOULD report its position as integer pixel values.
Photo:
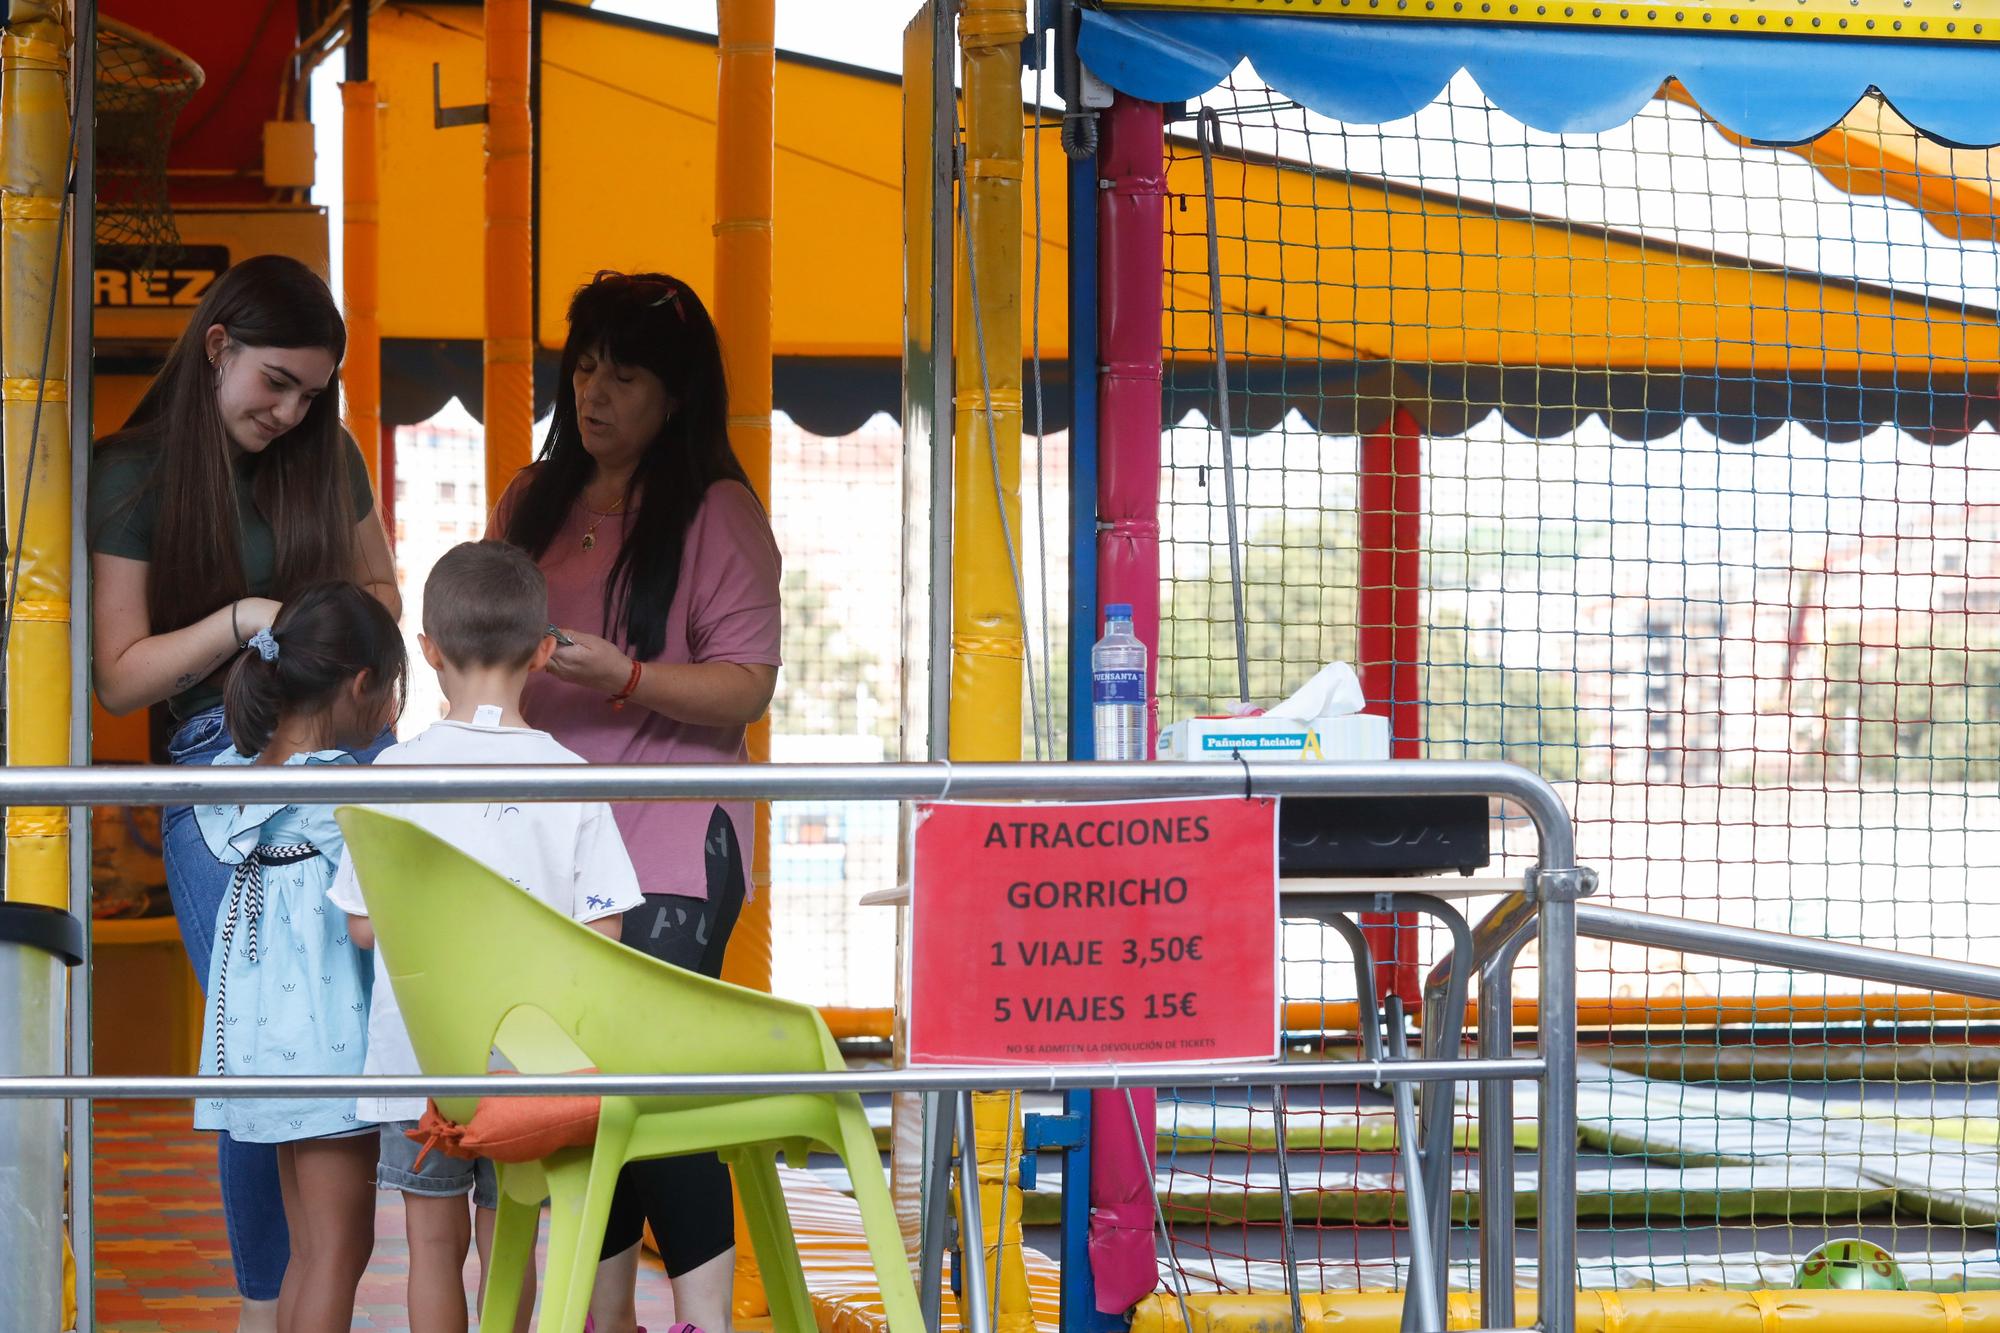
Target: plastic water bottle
(1118, 687)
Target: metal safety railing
(1545, 908)
(1497, 943)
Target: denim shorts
(440, 1176)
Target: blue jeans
(252, 1207)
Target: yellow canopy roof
(1388, 292)
(1873, 150)
(626, 150)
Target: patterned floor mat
(162, 1256)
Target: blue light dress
(287, 988)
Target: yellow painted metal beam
(922, 211)
(509, 256)
(361, 267)
(1660, 1011)
(1922, 20)
(34, 428)
(746, 88)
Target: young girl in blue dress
(287, 988)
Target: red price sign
(1082, 934)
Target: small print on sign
(1128, 932)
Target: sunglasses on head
(668, 293)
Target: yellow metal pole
(34, 358)
(987, 643)
(745, 150)
(510, 321)
(360, 239)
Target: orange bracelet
(618, 699)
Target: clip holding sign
(1237, 755)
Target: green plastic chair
(478, 965)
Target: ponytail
(253, 699)
(325, 636)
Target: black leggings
(685, 1198)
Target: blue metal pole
(1079, 1287)
(1079, 1290)
(1082, 450)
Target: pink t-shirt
(725, 609)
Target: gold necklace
(590, 533)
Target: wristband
(631, 684)
(234, 632)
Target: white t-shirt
(567, 854)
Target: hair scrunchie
(266, 646)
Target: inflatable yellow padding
(34, 163)
(986, 619)
(1698, 1311)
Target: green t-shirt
(123, 525)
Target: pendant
(589, 541)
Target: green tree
(1477, 708)
(1922, 712)
(1301, 571)
(830, 684)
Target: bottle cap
(1118, 611)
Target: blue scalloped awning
(1779, 90)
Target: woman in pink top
(662, 569)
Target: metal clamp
(1039, 1131)
(447, 117)
(1564, 884)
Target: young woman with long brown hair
(231, 488)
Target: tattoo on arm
(191, 679)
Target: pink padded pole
(1131, 222)
(1131, 231)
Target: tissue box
(1347, 736)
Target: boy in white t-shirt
(485, 631)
